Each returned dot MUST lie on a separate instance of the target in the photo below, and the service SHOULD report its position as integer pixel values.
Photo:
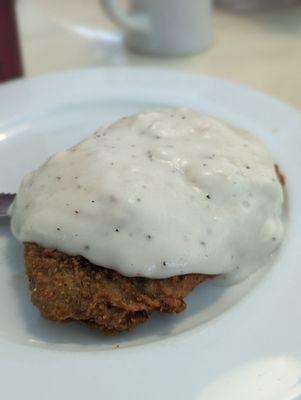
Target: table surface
(261, 49)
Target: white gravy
(157, 194)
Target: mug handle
(125, 22)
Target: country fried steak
(71, 288)
(68, 287)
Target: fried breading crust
(280, 176)
(71, 288)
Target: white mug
(164, 27)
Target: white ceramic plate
(242, 342)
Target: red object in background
(10, 57)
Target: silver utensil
(6, 200)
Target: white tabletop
(262, 49)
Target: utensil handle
(126, 22)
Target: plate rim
(175, 342)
